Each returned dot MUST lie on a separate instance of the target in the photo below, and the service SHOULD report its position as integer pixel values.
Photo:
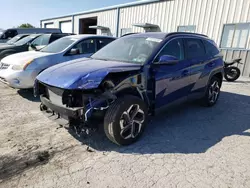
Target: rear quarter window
(211, 49)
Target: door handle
(185, 72)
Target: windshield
(25, 40)
(59, 45)
(128, 49)
(13, 40)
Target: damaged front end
(84, 109)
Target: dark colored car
(10, 33)
(31, 42)
(15, 39)
(19, 46)
(131, 78)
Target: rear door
(196, 55)
(172, 82)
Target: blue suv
(131, 78)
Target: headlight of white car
(21, 67)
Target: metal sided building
(225, 21)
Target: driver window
(86, 47)
(37, 41)
(173, 48)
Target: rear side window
(211, 49)
(103, 42)
(194, 48)
(55, 37)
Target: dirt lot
(189, 146)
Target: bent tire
(125, 120)
(213, 92)
(232, 74)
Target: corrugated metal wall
(56, 22)
(105, 18)
(208, 15)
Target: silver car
(20, 70)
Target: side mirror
(74, 51)
(168, 60)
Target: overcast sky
(16, 12)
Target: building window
(235, 35)
(125, 31)
(187, 28)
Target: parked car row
(10, 33)
(88, 79)
(20, 70)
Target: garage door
(49, 25)
(66, 27)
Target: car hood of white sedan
(23, 57)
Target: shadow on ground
(28, 94)
(188, 128)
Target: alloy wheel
(214, 91)
(131, 122)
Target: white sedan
(20, 70)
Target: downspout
(117, 22)
(73, 23)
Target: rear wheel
(232, 74)
(125, 120)
(213, 92)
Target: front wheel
(125, 120)
(232, 74)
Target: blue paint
(167, 83)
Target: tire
(213, 92)
(119, 125)
(232, 74)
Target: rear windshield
(59, 45)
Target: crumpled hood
(23, 57)
(82, 73)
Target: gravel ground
(186, 146)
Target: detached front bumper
(75, 113)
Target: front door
(172, 82)
(86, 48)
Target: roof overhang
(146, 25)
(98, 27)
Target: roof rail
(128, 34)
(185, 33)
